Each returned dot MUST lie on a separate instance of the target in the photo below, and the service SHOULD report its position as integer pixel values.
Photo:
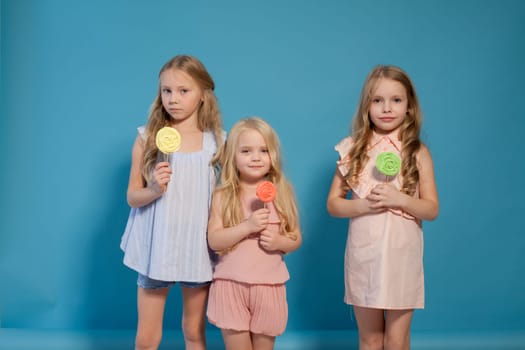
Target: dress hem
(390, 307)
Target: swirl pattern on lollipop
(388, 163)
(168, 140)
(266, 191)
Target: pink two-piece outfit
(248, 291)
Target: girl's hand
(161, 176)
(369, 206)
(258, 220)
(269, 240)
(385, 196)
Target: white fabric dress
(166, 240)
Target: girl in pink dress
(384, 251)
(248, 297)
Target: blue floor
(15, 339)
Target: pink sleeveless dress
(384, 251)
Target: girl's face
(251, 157)
(388, 106)
(181, 96)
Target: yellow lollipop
(168, 140)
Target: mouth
(387, 119)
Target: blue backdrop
(77, 78)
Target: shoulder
(216, 200)
(423, 156)
(140, 140)
(213, 137)
(218, 194)
(141, 130)
(344, 146)
(423, 151)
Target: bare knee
(194, 317)
(397, 342)
(194, 332)
(370, 341)
(147, 341)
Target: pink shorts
(258, 308)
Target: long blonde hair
(229, 186)
(208, 117)
(362, 128)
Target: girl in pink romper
(384, 252)
(247, 298)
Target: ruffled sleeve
(369, 176)
(211, 145)
(343, 147)
(142, 132)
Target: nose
(386, 106)
(174, 98)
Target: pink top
(384, 251)
(248, 262)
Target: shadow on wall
(111, 298)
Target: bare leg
(371, 325)
(193, 317)
(397, 329)
(262, 342)
(150, 303)
(234, 340)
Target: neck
(249, 185)
(187, 125)
(392, 134)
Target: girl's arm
(273, 241)
(138, 193)
(426, 207)
(339, 206)
(220, 237)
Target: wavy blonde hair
(362, 128)
(208, 118)
(229, 184)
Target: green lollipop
(388, 163)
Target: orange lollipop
(266, 191)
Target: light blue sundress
(166, 239)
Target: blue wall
(77, 78)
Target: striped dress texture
(166, 239)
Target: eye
(183, 91)
(264, 150)
(398, 100)
(376, 100)
(165, 91)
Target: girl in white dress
(165, 237)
